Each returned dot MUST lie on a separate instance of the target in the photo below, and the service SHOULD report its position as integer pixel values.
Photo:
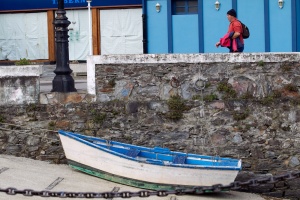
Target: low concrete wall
(19, 84)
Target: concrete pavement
(23, 173)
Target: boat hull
(122, 180)
(114, 168)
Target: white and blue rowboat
(149, 168)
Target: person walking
(233, 39)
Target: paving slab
(24, 173)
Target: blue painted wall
(247, 12)
(185, 35)
(215, 25)
(272, 29)
(280, 27)
(157, 27)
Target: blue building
(191, 26)
(145, 26)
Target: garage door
(121, 31)
(23, 35)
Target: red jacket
(232, 44)
(226, 40)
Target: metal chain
(161, 193)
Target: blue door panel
(185, 35)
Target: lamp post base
(63, 83)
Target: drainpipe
(144, 18)
(90, 28)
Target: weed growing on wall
(31, 111)
(240, 115)
(176, 107)
(51, 125)
(247, 96)
(1, 119)
(196, 97)
(226, 88)
(98, 117)
(211, 97)
(23, 61)
(261, 63)
(271, 97)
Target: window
(183, 7)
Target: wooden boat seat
(179, 159)
(156, 162)
(133, 153)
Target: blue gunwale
(156, 155)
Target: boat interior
(158, 155)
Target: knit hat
(232, 12)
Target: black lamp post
(63, 81)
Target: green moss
(31, 111)
(99, 118)
(23, 61)
(51, 125)
(210, 97)
(261, 63)
(31, 108)
(115, 112)
(196, 97)
(207, 85)
(176, 107)
(267, 100)
(2, 119)
(271, 98)
(226, 88)
(247, 95)
(240, 115)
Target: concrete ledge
(21, 70)
(197, 58)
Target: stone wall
(248, 110)
(146, 78)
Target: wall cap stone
(196, 58)
(20, 70)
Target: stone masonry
(247, 110)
